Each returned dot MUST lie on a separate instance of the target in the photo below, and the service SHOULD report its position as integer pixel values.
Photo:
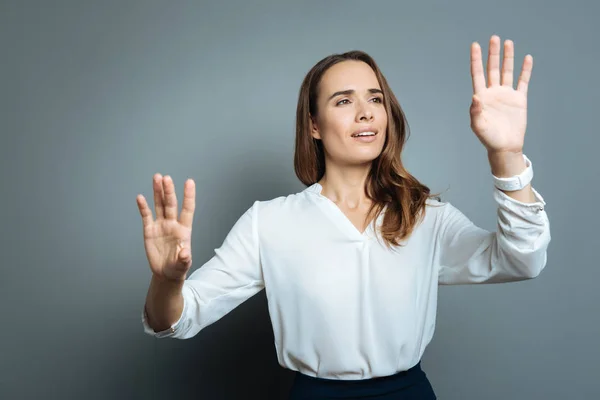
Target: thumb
(185, 255)
(476, 105)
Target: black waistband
(309, 387)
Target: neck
(346, 185)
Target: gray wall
(97, 97)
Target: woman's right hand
(167, 240)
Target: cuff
(519, 207)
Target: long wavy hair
(388, 183)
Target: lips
(367, 129)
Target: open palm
(499, 112)
(167, 239)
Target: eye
(377, 100)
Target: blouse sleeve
(517, 250)
(230, 277)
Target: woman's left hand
(499, 112)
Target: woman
(351, 264)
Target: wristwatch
(516, 182)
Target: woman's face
(350, 101)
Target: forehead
(349, 74)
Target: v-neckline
(339, 217)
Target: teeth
(365, 134)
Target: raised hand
(499, 112)
(167, 239)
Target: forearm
(504, 165)
(164, 303)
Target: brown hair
(388, 183)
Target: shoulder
(285, 206)
(436, 212)
(436, 205)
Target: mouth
(364, 133)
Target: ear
(314, 129)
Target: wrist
(506, 164)
(166, 282)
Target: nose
(365, 114)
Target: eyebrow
(352, 91)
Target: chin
(365, 157)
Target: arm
(164, 304)
(230, 277)
(515, 251)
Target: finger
(158, 196)
(145, 211)
(477, 68)
(476, 107)
(185, 255)
(170, 198)
(525, 76)
(508, 63)
(493, 64)
(189, 203)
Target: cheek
(339, 124)
(381, 114)
(382, 117)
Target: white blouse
(342, 305)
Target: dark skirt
(405, 385)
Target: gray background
(97, 97)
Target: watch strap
(516, 182)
